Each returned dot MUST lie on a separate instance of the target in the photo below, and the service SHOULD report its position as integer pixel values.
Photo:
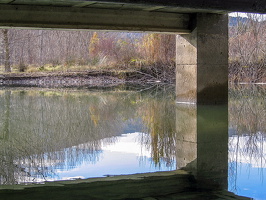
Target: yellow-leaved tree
(94, 45)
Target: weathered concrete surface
(188, 6)
(174, 185)
(92, 18)
(257, 6)
(127, 15)
(186, 68)
(203, 195)
(202, 61)
(117, 187)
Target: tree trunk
(7, 52)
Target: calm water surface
(49, 134)
(247, 141)
(67, 134)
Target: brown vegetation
(148, 54)
(53, 50)
(247, 50)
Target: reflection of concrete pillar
(202, 61)
(212, 146)
(202, 143)
(201, 78)
(186, 137)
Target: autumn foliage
(148, 53)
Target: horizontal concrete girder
(211, 6)
(91, 18)
(136, 186)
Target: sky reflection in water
(247, 173)
(247, 141)
(126, 156)
(59, 135)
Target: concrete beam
(136, 186)
(86, 3)
(253, 6)
(202, 61)
(90, 18)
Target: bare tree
(6, 49)
(247, 49)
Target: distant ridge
(233, 21)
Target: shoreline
(86, 79)
(75, 79)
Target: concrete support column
(202, 61)
(202, 79)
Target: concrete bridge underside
(175, 16)
(202, 55)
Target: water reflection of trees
(41, 131)
(40, 127)
(247, 119)
(159, 119)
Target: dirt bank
(74, 79)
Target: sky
(262, 17)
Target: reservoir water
(247, 141)
(49, 135)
